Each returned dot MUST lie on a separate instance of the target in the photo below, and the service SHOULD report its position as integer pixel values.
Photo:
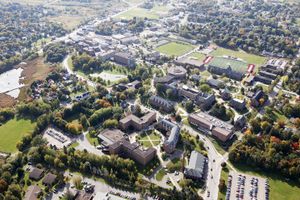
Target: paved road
(85, 144)
(215, 160)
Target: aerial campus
(150, 99)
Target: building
(132, 150)
(225, 69)
(107, 196)
(177, 71)
(110, 136)
(212, 125)
(240, 122)
(32, 193)
(215, 83)
(197, 166)
(82, 195)
(36, 174)
(49, 179)
(263, 79)
(238, 104)
(164, 80)
(226, 94)
(161, 103)
(138, 123)
(255, 100)
(204, 100)
(124, 59)
(173, 132)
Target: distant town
(158, 99)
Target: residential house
(36, 174)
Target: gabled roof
(196, 165)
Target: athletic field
(235, 65)
(175, 48)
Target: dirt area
(33, 70)
(6, 101)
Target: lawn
(279, 187)
(197, 56)
(12, 132)
(224, 176)
(249, 58)
(144, 139)
(138, 12)
(160, 175)
(175, 48)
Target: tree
(77, 182)
(3, 185)
(189, 106)
(205, 88)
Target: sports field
(12, 132)
(197, 56)
(175, 48)
(249, 58)
(235, 65)
(138, 12)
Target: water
(10, 82)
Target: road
(70, 71)
(215, 160)
(85, 144)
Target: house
(32, 193)
(173, 132)
(255, 100)
(36, 174)
(211, 125)
(133, 150)
(49, 179)
(238, 104)
(138, 123)
(197, 166)
(161, 103)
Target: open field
(197, 56)
(69, 22)
(138, 12)
(12, 131)
(279, 188)
(224, 176)
(249, 58)
(175, 48)
(236, 65)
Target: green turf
(197, 56)
(160, 175)
(224, 175)
(279, 187)
(235, 65)
(175, 48)
(12, 132)
(249, 58)
(138, 12)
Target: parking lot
(56, 138)
(246, 187)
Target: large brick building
(173, 132)
(209, 124)
(137, 123)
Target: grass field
(224, 176)
(12, 131)
(160, 175)
(197, 56)
(249, 58)
(279, 188)
(236, 65)
(138, 12)
(144, 139)
(175, 48)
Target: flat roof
(111, 136)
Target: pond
(10, 82)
